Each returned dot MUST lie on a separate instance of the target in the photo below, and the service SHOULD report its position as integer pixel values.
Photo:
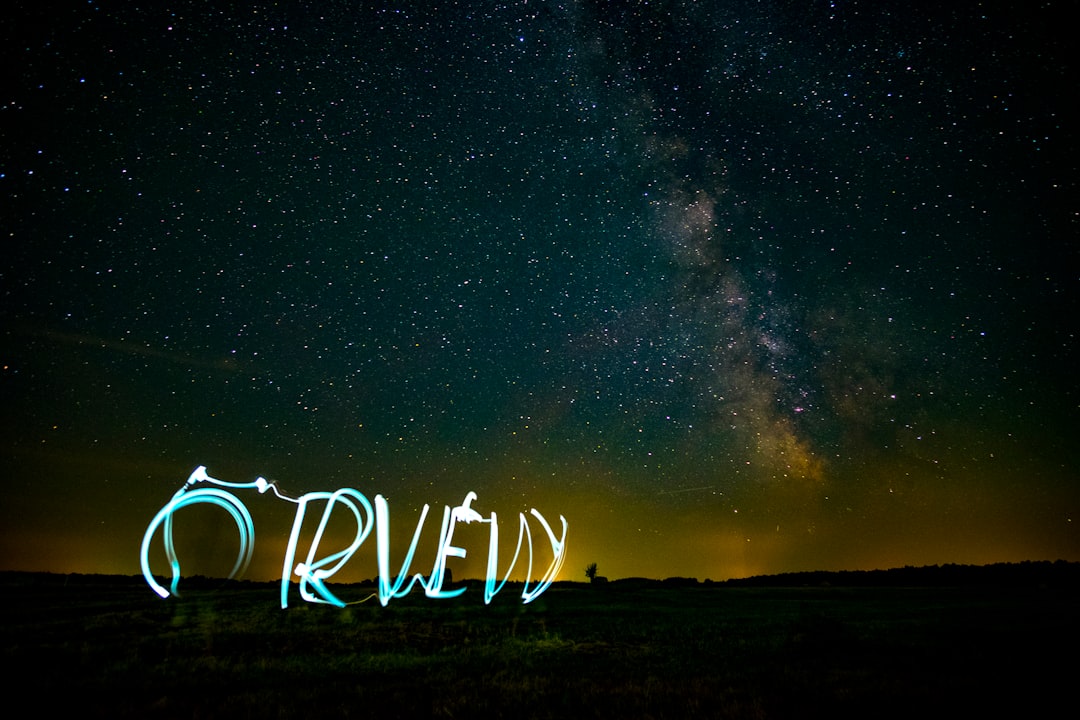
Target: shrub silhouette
(590, 572)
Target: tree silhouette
(590, 571)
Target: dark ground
(111, 648)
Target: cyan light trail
(314, 571)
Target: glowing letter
(493, 559)
(558, 547)
(311, 572)
(462, 513)
(382, 519)
(185, 496)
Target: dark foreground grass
(116, 650)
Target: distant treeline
(1045, 573)
(1023, 574)
(1058, 573)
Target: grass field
(113, 649)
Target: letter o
(222, 499)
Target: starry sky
(737, 287)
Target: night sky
(737, 287)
